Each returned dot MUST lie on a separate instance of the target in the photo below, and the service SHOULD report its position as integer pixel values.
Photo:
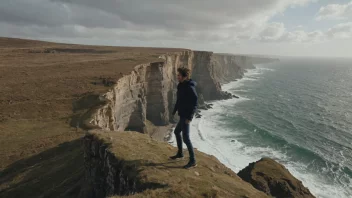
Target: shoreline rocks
(274, 179)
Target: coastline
(227, 144)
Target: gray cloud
(48, 13)
(129, 21)
(38, 12)
(335, 11)
(342, 30)
(273, 32)
(180, 14)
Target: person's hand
(188, 121)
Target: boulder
(226, 95)
(203, 107)
(274, 179)
(208, 106)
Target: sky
(269, 27)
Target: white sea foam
(208, 136)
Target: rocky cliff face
(146, 93)
(149, 91)
(274, 179)
(105, 174)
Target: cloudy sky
(278, 27)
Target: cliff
(130, 163)
(148, 92)
(119, 164)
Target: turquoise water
(297, 111)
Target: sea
(297, 111)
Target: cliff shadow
(57, 172)
(110, 174)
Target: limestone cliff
(149, 91)
(146, 93)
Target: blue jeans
(182, 126)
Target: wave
(227, 145)
(296, 152)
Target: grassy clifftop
(125, 163)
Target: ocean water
(296, 111)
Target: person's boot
(177, 156)
(191, 164)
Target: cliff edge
(130, 163)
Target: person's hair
(185, 72)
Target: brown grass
(38, 89)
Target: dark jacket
(187, 99)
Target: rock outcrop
(130, 163)
(274, 179)
(148, 92)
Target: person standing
(186, 106)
